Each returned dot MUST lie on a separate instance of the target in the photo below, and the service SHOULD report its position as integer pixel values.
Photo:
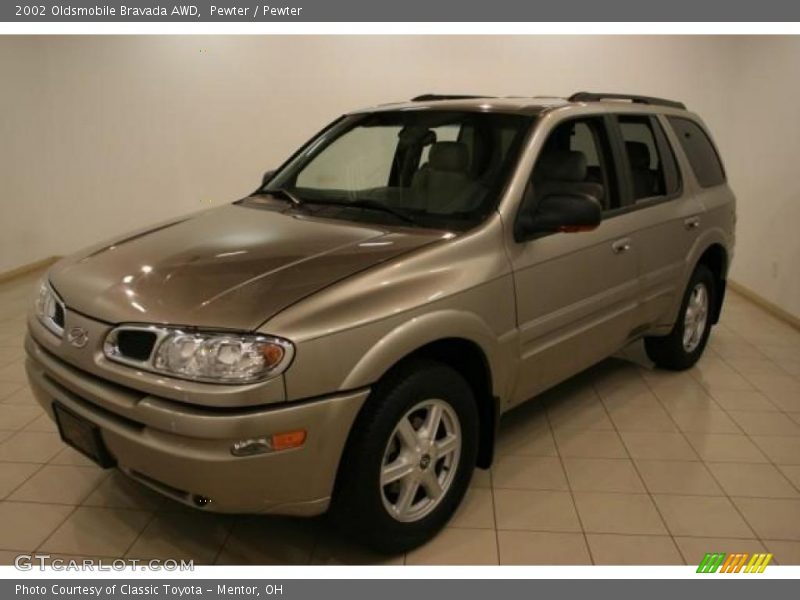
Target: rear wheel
(684, 345)
(410, 458)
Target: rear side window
(650, 160)
(700, 151)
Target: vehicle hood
(231, 267)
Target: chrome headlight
(222, 357)
(200, 356)
(49, 308)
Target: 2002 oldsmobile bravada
(347, 337)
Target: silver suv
(347, 336)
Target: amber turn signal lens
(272, 353)
(576, 228)
(288, 439)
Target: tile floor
(620, 465)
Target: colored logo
(719, 562)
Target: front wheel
(410, 458)
(684, 345)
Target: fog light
(271, 443)
(251, 447)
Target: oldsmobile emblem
(78, 337)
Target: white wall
(763, 161)
(99, 135)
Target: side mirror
(267, 176)
(567, 213)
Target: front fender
(421, 330)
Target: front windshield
(428, 167)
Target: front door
(577, 293)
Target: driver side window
(576, 159)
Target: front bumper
(183, 451)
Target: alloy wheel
(420, 460)
(695, 318)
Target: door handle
(691, 223)
(621, 246)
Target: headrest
(448, 156)
(638, 155)
(416, 135)
(561, 165)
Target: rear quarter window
(700, 151)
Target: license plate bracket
(82, 435)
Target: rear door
(665, 215)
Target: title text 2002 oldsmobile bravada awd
(347, 337)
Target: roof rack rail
(437, 97)
(597, 97)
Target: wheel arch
(711, 249)
(460, 340)
(715, 257)
(469, 360)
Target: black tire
(668, 352)
(358, 508)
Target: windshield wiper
(370, 205)
(359, 203)
(375, 205)
(282, 193)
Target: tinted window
(700, 151)
(646, 162)
(577, 159)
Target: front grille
(135, 344)
(132, 344)
(58, 315)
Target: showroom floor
(620, 465)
